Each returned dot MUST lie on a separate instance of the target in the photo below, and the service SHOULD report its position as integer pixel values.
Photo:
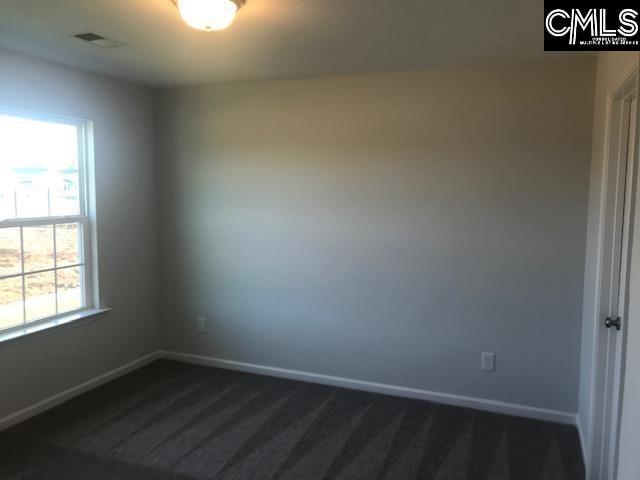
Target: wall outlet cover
(488, 361)
(201, 325)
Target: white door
(628, 359)
(619, 188)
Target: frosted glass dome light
(207, 15)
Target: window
(45, 227)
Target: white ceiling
(273, 39)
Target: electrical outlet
(488, 361)
(201, 324)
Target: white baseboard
(583, 445)
(398, 391)
(57, 399)
(438, 397)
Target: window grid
(55, 256)
(24, 289)
(23, 274)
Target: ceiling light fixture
(208, 15)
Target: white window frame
(86, 219)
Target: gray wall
(386, 228)
(124, 152)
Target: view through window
(43, 220)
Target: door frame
(634, 230)
(616, 218)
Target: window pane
(40, 295)
(31, 201)
(38, 168)
(10, 302)
(67, 244)
(9, 251)
(69, 290)
(65, 195)
(7, 199)
(38, 248)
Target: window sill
(53, 325)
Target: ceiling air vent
(99, 40)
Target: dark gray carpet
(176, 421)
